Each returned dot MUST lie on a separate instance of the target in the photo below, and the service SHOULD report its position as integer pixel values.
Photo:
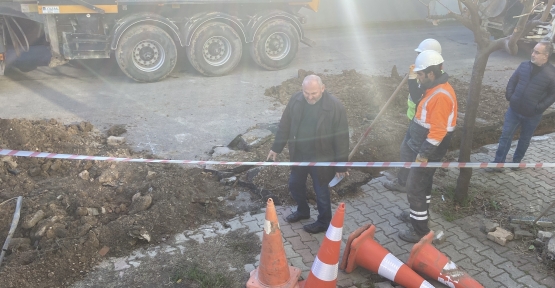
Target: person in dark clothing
(428, 137)
(415, 94)
(314, 125)
(530, 91)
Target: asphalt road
(185, 115)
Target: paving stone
(500, 236)
(314, 246)
(305, 236)
(486, 281)
(296, 243)
(507, 281)
(489, 267)
(307, 256)
(548, 281)
(374, 218)
(454, 239)
(491, 255)
(287, 231)
(394, 248)
(510, 267)
(358, 217)
(252, 226)
(453, 253)
(472, 254)
(529, 282)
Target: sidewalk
(530, 190)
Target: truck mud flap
(308, 42)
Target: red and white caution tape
(19, 153)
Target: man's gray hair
(313, 78)
(548, 46)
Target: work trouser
(297, 187)
(406, 155)
(419, 187)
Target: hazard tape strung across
(19, 153)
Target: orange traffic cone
(367, 253)
(426, 259)
(323, 273)
(273, 270)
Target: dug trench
(76, 213)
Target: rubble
(31, 220)
(500, 236)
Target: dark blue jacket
(528, 95)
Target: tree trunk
(472, 102)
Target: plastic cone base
(294, 273)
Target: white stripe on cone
(334, 233)
(323, 271)
(389, 267)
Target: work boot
(296, 217)
(315, 227)
(394, 186)
(494, 170)
(404, 216)
(410, 236)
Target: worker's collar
(439, 80)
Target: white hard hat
(429, 44)
(426, 59)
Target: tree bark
(472, 102)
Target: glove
(412, 74)
(420, 159)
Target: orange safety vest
(437, 111)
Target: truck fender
(144, 18)
(260, 18)
(198, 20)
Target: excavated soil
(83, 206)
(76, 213)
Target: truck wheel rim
(216, 51)
(277, 46)
(148, 56)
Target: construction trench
(77, 213)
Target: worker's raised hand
(412, 74)
(272, 155)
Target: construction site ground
(107, 224)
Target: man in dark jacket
(314, 124)
(531, 90)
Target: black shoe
(410, 236)
(516, 168)
(296, 217)
(404, 216)
(315, 228)
(494, 169)
(394, 186)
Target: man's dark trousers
(527, 127)
(297, 186)
(419, 186)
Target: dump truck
(144, 36)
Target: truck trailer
(144, 35)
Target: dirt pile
(72, 209)
(364, 96)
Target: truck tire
(275, 45)
(215, 49)
(146, 53)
